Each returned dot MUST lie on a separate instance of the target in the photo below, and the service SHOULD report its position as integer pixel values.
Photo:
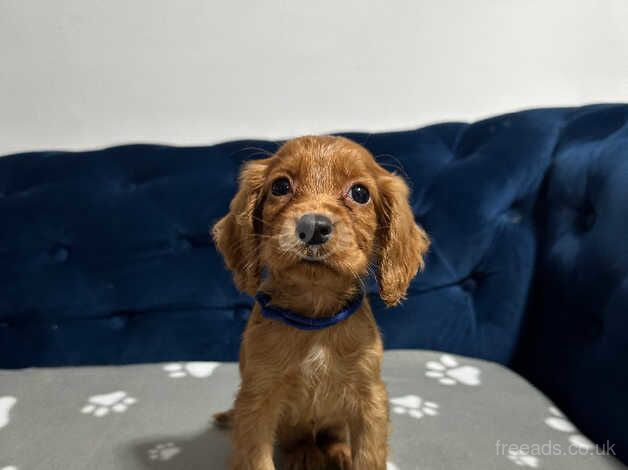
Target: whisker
(397, 163)
(259, 150)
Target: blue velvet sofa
(106, 257)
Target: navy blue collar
(307, 323)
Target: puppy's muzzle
(314, 229)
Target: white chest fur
(317, 361)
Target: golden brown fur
(317, 394)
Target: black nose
(314, 229)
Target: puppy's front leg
(255, 417)
(369, 430)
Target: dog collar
(307, 323)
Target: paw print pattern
(102, 405)
(449, 372)
(164, 451)
(414, 406)
(6, 403)
(200, 370)
(522, 459)
(558, 422)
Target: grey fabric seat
(448, 412)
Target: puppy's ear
(402, 243)
(237, 234)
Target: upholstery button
(242, 313)
(594, 328)
(513, 215)
(469, 284)
(185, 242)
(118, 322)
(60, 253)
(585, 217)
(586, 220)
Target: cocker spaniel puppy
(306, 227)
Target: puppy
(306, 227)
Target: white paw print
(449, 372)
(522, 459)
(391, 466)
(562, 424)
(102, 405)
(414, 406)
(6, 403)
(200, 370)
(163, 451)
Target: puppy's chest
(318, 362)
(325, 383)
(323, 365)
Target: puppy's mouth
(300, 252)
(313, 254)
(314, 258)
(316, 261)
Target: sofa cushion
(447, 412)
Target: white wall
(87, 73)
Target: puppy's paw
(306, 456)
(334, 442)
(338, 456)
(224, 420)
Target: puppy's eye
(281, 187)
(359, 194)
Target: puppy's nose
(314, 229)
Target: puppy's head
(321, 208)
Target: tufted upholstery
(575, 342)
(106, 256)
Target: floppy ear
(402, 243)
(237, 234)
